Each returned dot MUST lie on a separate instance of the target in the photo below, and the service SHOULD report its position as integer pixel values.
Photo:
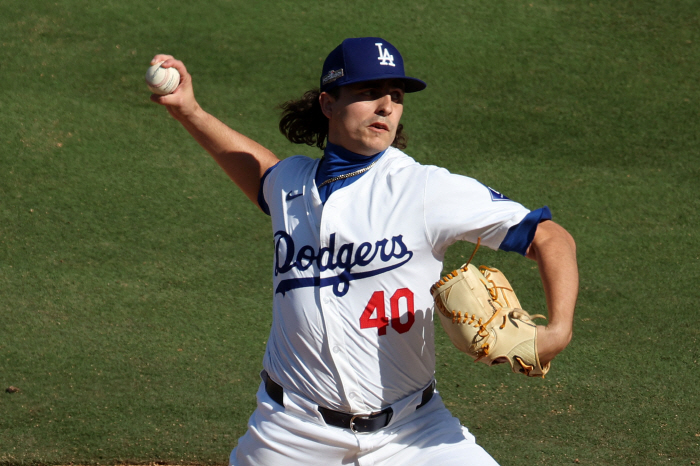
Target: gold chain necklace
(348, 175)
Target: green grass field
(135, 279)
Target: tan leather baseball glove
(481, 314)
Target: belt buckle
(352, 423)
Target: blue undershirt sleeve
(261, 197)
(520, 236)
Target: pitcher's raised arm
(243, 160)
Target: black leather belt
(358, 423)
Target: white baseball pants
(296, 435)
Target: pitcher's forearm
(243, 160)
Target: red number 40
(376, 307)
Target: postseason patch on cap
(332, 75)
(496, 196)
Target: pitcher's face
(365, 116)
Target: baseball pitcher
(359, 237)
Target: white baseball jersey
(352, 314)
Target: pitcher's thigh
(432, 438)
(279, 439)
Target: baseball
(162, 81)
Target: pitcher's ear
(326, 101)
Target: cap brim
(410, 84)
(414, 85)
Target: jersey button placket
(336, 343)
(335, 333)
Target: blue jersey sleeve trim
(520, 236)
(261, 198)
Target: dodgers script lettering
(391, 253)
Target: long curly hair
(303, 121)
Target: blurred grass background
(135, 278)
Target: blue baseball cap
(365, 59)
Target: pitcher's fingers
(178, 65)
(167, 100)
(160, 57)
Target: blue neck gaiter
(338, 161)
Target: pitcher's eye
(397, 96)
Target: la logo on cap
(385, 58)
